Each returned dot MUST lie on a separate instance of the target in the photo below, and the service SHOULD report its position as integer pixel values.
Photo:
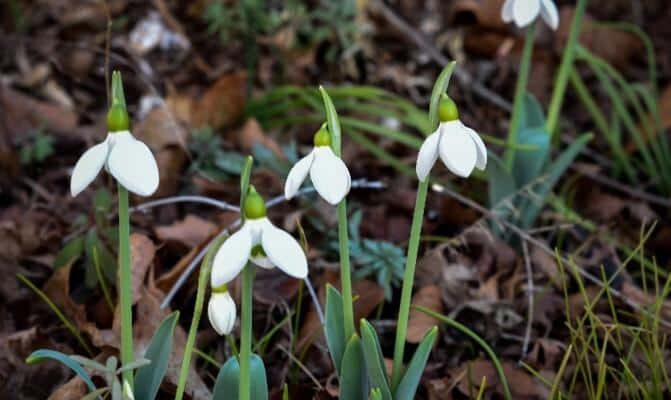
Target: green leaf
(532, 113)
(553, 172)
(375, 394)
(96, 393)
(374, 361)
(501, 183)
(439, 88)
(332, 122)
(70, 252)
(530, 162)
(148, 378)
(42, 354)
(335, 326)
(353, 378)
(227, 384)
(408, 386)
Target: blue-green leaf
(70, 252)
(228, 381)
(148, 378)
(532, 113)
(353, 378)
(42, 354)
(408, 386)
(501, 183)
(374, 361)
(335, 326)
(554, 171)
(529, 162)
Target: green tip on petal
(255, 206)
(447, 109)
(220, 289)
(322, 137)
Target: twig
(611, 183)
(185, 199)
(543, 246)
(465, 79)
(530, 295)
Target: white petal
(231, 257)
(284, 251)
(329, 175)
(88, 166)
(221, 311)
(550, 14)
(481, 150)
(525, 11)
(457, 149)
(428, 154)
(507, 11)
(133, 165)
(297, 175)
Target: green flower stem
(565, 68)
(520, 89)
(466, 331)
(408, 279)
(246, 332)
(345, 270)
(125, 295)
(203, 278)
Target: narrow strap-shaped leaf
(334, 326)
(96, 393)
(374, 362)
(554, 171)
(530, 162)
(42, 354)
(532, 113)
(332, 122)
(227, 385)
(375, 394)
(148, 378)
(353, 378)
(408, 386)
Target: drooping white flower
(524, 12)
(129, 161)
(328, 172)
(221, 311)
(260, 242)
(458, 146)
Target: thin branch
(530, 296)
(465, 79)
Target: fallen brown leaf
(74, 389)
(251, 134)
(191, 231)
(142, 252)
(419, 323)
(221, 104)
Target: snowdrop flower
(260, 242)
(524, 12)
(129, 160)
(459, 146)
(328, 172)
(221, 311)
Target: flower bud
(222, 312)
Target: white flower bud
(222, 312)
